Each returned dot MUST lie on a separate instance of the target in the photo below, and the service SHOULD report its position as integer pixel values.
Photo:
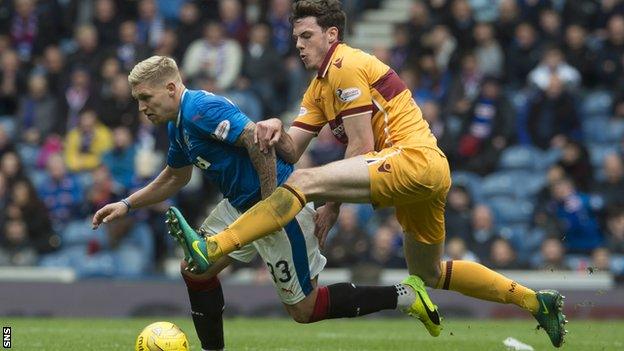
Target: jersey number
(283, 266)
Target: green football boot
(422, 307)
(192, 242)
(550, 315)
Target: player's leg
(205, 292)
(345, 180)
(347, 300)
(207, 302)
(424, 244)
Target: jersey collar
(180, 110)
(322, 71)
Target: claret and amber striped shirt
(351, 82)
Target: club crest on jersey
(222, 130)
(348, 94)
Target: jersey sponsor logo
(222, 130)
(303, 111)
(201, 163)
(338, 62)
(384, 167)
(348, 94)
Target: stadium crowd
(525, 97)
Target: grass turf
(282, 334)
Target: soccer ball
(161, 336)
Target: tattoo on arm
(265, 164)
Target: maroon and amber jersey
(351, 82)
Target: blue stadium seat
(598, 152)
(523, 157)
(498, 184)
(548, 158)
(603, 130)
(471, 181)
(596, 103)
(511, 211)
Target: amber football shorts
(415, 180)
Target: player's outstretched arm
(264, 163)
(168, 182)
(289, 146)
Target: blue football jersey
(204, 134)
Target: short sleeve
(219, 118)
(310, 119)
(352, 90)
(176, 158)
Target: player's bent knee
(300, 315)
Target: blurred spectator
(431, 82)
(418, 24)
(600, 260)
(457, 216)
(168, 45)
(25, 28)
(111, 68)
(456, 249)
(61, 192)
(612, 187)
(552, 255)
(503, 256)
(461, 24)
(579, 55)
(550, 26)
(483, 231)
(552, 66)
(577, 219)
(508, 20)
(12, 79)
(384, 251)
(78, 96)
(489, 54)
(88, 54)
(610, 66)
(444, 47)
(279, 20)
(56, 71)
(215, 56)
(400, 51)
(6, 144)
(487, 129)
(431, 113)
(130, 50)
(15, 246)
(120, 109)
(615, 230)
(150, 25)
(190, 27)
(11, 167)
(234, 21)
(465, 86)
(262, 69)
(120, 159)
(522, 55)
(576, 164)
(552, 116)
(350, 244)
(86, 143)
(25, 204)
(101, 191)
(39, 114)
(106, 20)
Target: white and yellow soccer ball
(162, 336)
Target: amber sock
(475, 280)
(264, 218)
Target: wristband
(127, 203)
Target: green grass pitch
(282, 334)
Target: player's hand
(268, 133)
(109, 213)
(324, 219)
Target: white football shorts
(292, 254)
